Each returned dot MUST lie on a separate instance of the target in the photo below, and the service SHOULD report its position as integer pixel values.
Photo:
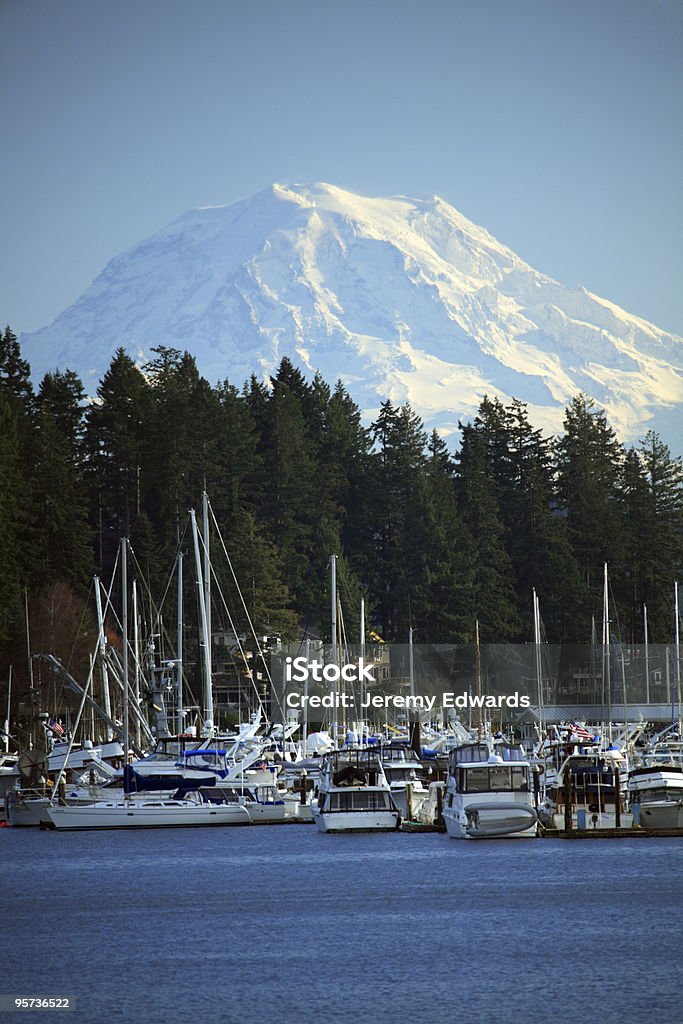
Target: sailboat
(136, 811)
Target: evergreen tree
(443, 589)
(659, 524)
(116, 441)
(493, 593)
(634, 510)
(12, 510)
(61, 548)
(394, 562)
(535, 535)
(15, 372)
(181, 454)
(290, 468)
(590, 461)
(16, 479)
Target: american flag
(56, 727)
(578, 730)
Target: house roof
(553, 714)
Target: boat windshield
(392, 755)
(359, 800)
(649, 796)
(400, 774)
(494, 778)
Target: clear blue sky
(554, 123)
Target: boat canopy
(203, 753)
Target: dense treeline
(430, 537)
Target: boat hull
(593, 821)
(661, 814)
(491, 821)
(131, 815)
(356, 821)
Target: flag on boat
(56, 727)
(578, 730)
(377, 637)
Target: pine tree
(634, 516)
(535, 535)
(590, 461)
(15, 372)
(62, 544)
(12, 509)
(182, 445)
(16, 481)
(289, 469)
(394, 562)
(443, 591)
(661, 533)
(493, 596)
(116, 441)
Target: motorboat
(353, 794)
(594, 783)
(402, 770)
(655, 793)
(488, 795)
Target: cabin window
(477, 780)
(520, 780)
(363, 800)
(499, 778)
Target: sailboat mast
(539, 670)
(677, 648)
(124, 630)
(33, 738)
(606, 650)
(208, 692)
(308, 669)
(179, 649)
(136, 660)
(478, 675)
(362, 654)
(207, 566)
(103, 654)
(333, 609)
(647, 657)
(9, 706)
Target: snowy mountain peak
(401, 297)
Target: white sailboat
(155, 813)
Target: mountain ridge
(400, 297)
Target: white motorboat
(488, 795)
(402, 770)
(354, 795)
(139, 813)
(656, 795)
(594, 783)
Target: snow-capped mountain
(401, 297)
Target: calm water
(283, 924)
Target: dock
(609, 833)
